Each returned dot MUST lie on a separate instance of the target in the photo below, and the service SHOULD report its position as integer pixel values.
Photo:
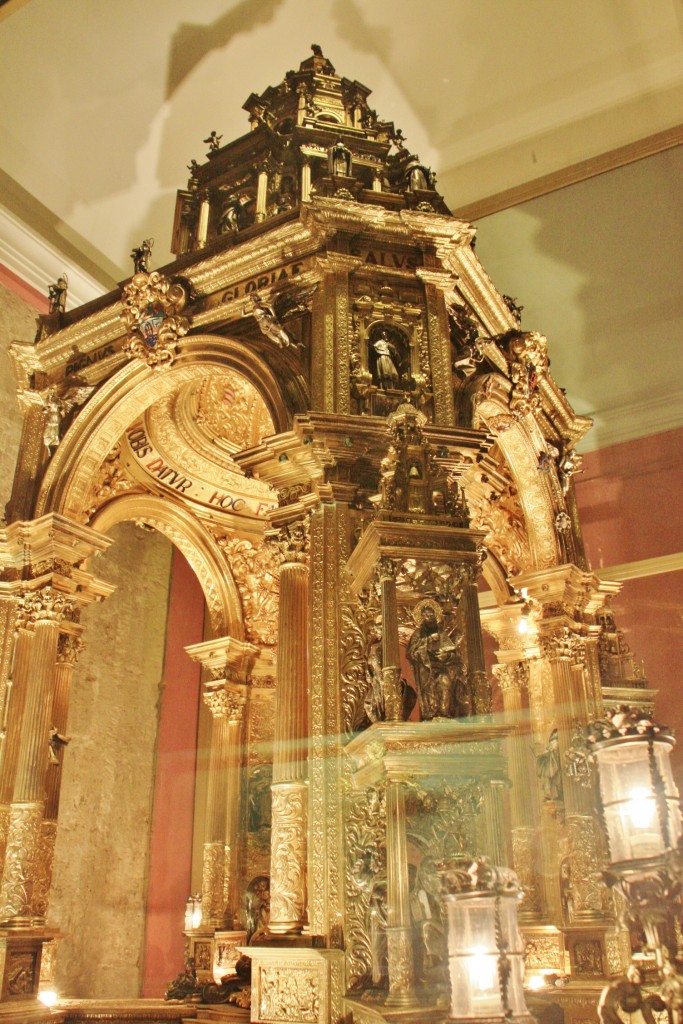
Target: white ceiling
(104, 105)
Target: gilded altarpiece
(331, 411)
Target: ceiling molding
(580, 171)
(39, 264)
(632, 420)
(644, 567)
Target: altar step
(227, 1014)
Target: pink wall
(25, 291)
(171, 843)
(629, 499)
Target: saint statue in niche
(386, 352)
(340, 160)
(434, 653)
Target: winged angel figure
(56, 408)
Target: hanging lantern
(638, 794)
(485, 946)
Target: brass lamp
(639, 799)
(642, 819)
(485, 946)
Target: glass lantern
(485, 946)
(193, 912)
(637, 790)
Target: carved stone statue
(387, 363)
(438, 666)
(340, 160)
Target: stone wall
(100, 881)
(17, 323)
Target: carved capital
(223, 703)
(69, 649)
(292, 541)
(386, 568)
(512, 676)
(563, 644)
(45, 605)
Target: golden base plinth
(295, 983)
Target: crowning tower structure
(325, 403)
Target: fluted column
(228, 663)
(213, 862)
(512, 678)
(391, 658)
(399, 928)
(289, 830)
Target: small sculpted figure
(140, 256)
(549, 769)
(387, 362)
(213, 142)
(438, 667)
(57, 295)
(265, 317)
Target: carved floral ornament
(153, 304)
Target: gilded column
(203, 225)
(261, 195)
(229, 662)
(25, 871)
(288, 858)
(563, 649)
(480, 687)
(391, 658)
(399, 926)
(69, 647)
(512, 678)
(213, 865)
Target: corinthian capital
(292, 541)
(224, 703)
(563, 643)
(45, 605)
(512, 676)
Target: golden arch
(199, 547)
(131, 390)
(521, 444)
